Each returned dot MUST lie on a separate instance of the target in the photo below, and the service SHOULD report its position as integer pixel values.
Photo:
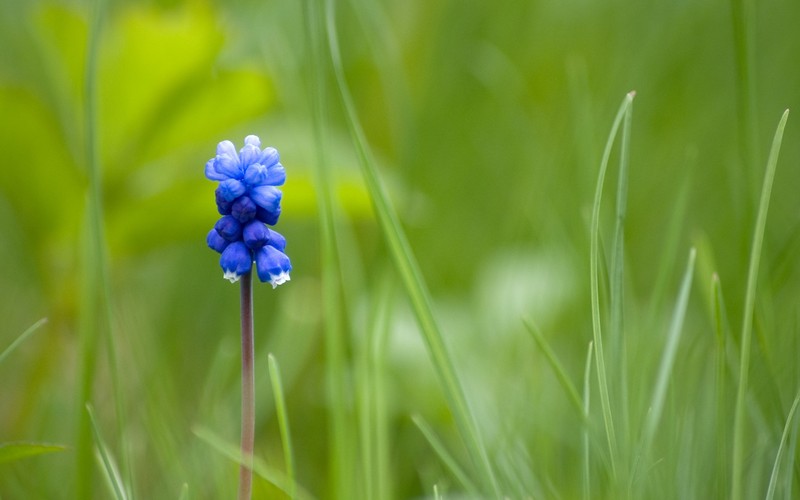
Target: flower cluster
(248, 199)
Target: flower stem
(248, 389)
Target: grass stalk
(668, 357)
(743, 20)
(94, 265)
(558, 368)
(109, 467)
(444, 455)
(371, 405)
(22, 338)
(340, 461)
(377, 374)
(617, 278)
(721, 385)
(587, 390)
(737, 469)
(773, 479)
(283, 423)
(594, 256)
(405, 262)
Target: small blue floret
(272, 265)
(235, 261)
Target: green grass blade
(773, 479)
(444, 455)
(737, 470)
(109, 468)
(558, 368)
(377, 347)
(97, 304)
(283, 422)
(264, 471)
(332, 301)
(184, 492)
(587, 466)
(11, 452)
(617, 277)
(371, 396)
(594, 256)
(721, 386)
(668, 356)
(405, 262)
(93, 262)
(744, 19)
(22, 338)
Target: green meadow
(541, 249)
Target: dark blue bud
(229, 228)
(256, 234)
(267, 216)
(243, 209)
(277, 240)
(216, 242)
(223, 205)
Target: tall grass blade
(371, 394)
(444, 455)
(594, 256)
(405, 262)
(718, 304)
(668, 356)
(587, 465)
(737, 471)
(283, 422)
(264, 471)
(184, 492)
(377, 374)
(22, 338)
(109, 468)
(94, 261)
(558, 368)
(617, 278)
(773, 479)
(340, 460)
(743, 19)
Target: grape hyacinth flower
(248, 199)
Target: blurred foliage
(487, 119)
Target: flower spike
(248, 199)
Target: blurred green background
(488, 121)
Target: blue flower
(248, 197)
(236, 260)
(272, 265)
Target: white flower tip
(279, 279)
(232, 276)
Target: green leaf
(11, 452)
